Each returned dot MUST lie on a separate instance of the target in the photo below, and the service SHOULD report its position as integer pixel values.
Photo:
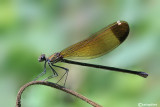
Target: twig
(18, 101)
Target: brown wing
(100, 43)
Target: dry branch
(53, 85)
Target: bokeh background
(29, 28)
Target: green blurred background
(29, 28)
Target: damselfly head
(42, 58)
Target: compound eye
(42, 58)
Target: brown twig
(18, 101)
